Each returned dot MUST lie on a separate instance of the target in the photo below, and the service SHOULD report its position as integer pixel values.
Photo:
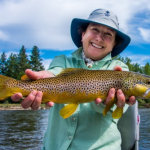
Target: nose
(99, 37)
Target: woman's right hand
(34, 99)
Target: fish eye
(148, 82)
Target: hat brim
(76, 35)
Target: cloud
(47, 23)
(140, 59)
(145, 33)
(3, 36)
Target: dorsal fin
(68, 71)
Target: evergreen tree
(146, 69)
(12, 66)
(128, 63)
(137, 68)
(126, 60)
(23, 62)
(35, 60)
(132, 67)
(3, 61)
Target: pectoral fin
(108, 106)
(68, 110)
(25, 78)
(117, 113)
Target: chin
(95, 58)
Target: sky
(46, 24)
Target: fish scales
(74, 86)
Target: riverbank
(16, 107)
(19, 107)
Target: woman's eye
(108, 34)
(95, 29)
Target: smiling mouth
(96, 46)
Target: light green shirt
(87, 128)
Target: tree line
(145, 69)
(15, 65)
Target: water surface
(144, 129)
(24, 129)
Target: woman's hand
(34, 99)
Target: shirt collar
(78, 55)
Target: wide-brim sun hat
(102, 17)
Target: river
(24, 129)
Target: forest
(15, 65)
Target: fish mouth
(147, 93)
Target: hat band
(105, 21)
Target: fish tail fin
(5, 91)
(117, 113)
(68, 110)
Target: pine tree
(35, 60)
(3, 60)
(12, 66)
(146, 69)
(132, 67)
(23, 62)
(137, 68)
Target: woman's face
(98, 41)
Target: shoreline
(17, 107)
(42, 107)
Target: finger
(110, 96)
(37, 101)
(118, 68)
(131, 100)
(32, 74)
(16, 97)
(120, 98)
(50, 104)
(98, 101)
(27, 102)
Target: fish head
(141, 88)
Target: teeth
(95, 45)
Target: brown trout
(74, 86)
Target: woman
(98, 40)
